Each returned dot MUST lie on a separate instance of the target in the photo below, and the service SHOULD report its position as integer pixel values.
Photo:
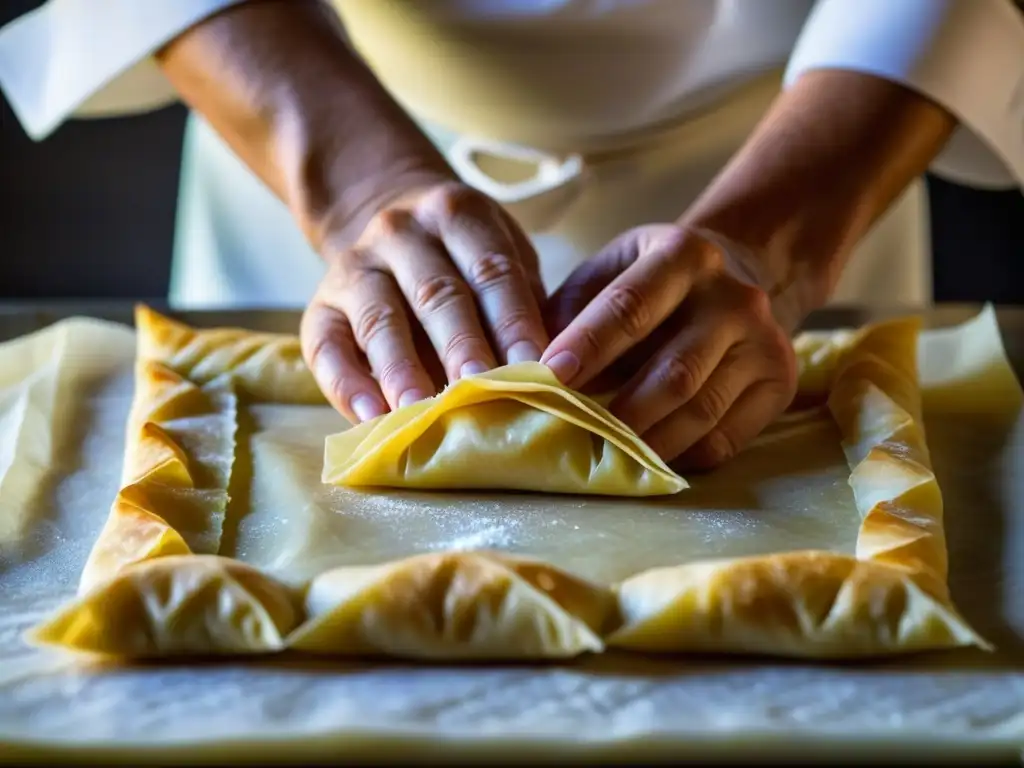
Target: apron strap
(540, 199)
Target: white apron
(587, 162)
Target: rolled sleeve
(91, 57)
(965, 55)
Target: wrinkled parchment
(64, 397)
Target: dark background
(89, 213)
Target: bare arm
(830, 157)
(276, 79)
(701, 313)
(426, 280)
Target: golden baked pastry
(890, 597)
(156, 586)
(179, 450)
(265, 367)
(178, 605)
(455, 606)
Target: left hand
(686, 334)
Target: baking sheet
(64, 396)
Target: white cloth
(593, 72)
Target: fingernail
(565, 365)
(473, 367)
(366, 407)
(523, 352)
(411, 396)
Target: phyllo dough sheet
(790, 491)
(161, 581)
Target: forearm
(833, 153)
(276, 79)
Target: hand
(441, 284)
(685, 333)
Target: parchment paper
(64, 397)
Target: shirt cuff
(91, 57)
(965, 55)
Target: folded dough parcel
(156, 586)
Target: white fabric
(91, 57)
(966, 56)
(652, 183)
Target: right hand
(441, 284)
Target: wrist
(833, 153)
(279, 83)
(795, 288)
(341, 160)
(347, 210)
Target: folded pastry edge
(899, 571)
(616, 637)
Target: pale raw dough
(512, 429)
(789, 490)
(180, 448)
(767, 500)
(889, 596)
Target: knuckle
(493, 270)
(344, 268)
(338, 383)
(756, 305)
(453, 200)
(373, 319)
(350, 283)
(711, 405)
(392, 222)
(314, 351)
(344, 388)
(706, 257)
(397, 375)
(660, 241)
(436, 293)
(460, 346)
(681, 374)
(512, 327)
(630, 310)
(588, 344)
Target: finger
(752, 412)
(528, 258)
(584, 284)
(627, 368)
(376, 311)
(482, 245)
(702, 413)
(440, 299)
(425, 351)
(624, 312)
(676, 372)
(339, 368)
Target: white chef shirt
(88, 58)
